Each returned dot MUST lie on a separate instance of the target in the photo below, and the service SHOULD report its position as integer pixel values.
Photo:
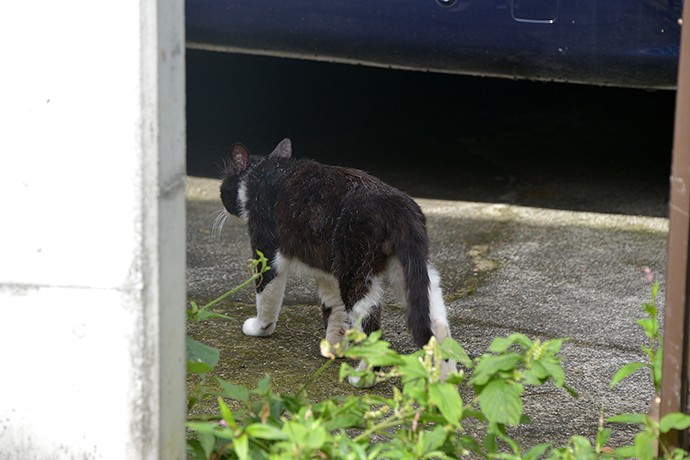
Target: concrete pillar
(92, 241)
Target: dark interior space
(440, 136)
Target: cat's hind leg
(269, 299)
(365, 313)
(335, 318)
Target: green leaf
(674, 421)
(490, 443)
(570, 391)
(529, 377)
(203, 315)
(211, 428)
(537, 451)
(556, 372)
(296, 433)
(201, 358)
(657, 368)
(553, 346)
(637, 419)
(450, 349)
(411, 368)
(198, 368)
(377, 353)
(373, 337)
(241, 446)
(650, 326)
(644, 446)
(603, 436)
(344, 421)
(500, 402)
(264, 431)
(650, 309)
(232, 391)
(345, 371)
(625, 372)
(500, 345)
(263, 386)
(433, 439)
(208, 442)
(489, 365)
(626, 452)
(195, 451)
(539, 370)
(456, 378)
(471, 444)
(226, 413)
(446, 397)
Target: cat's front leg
(269, 299)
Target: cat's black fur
(336, 220)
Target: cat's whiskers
(223, 169)
(221, 216)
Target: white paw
(338, 342)
(360, 382)
(354, 381)
(254, 328)
(447, 367)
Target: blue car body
(628, 43)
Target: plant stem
(390, 422)
(315, 376)
(232, 291)
(204, 418)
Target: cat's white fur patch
(288, 265)
(357, 381)
(268, 304)
(242, 200)
(372, 298)
(439, 319)
(437, 307)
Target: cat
(346, 228)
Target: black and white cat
(348, 229)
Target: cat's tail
(412, 248)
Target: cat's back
(308, 177)
(317, 194)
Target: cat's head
(233, 190)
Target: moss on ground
(291, 355)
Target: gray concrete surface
(505, 268)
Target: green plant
(424, 418)
(201, 358)
(644, 446)
(654, 351)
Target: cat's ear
(282, 150)
(239, 158)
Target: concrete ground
(506, 268)
(545, 202)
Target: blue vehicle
(626, 43)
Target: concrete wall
(92, 229)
